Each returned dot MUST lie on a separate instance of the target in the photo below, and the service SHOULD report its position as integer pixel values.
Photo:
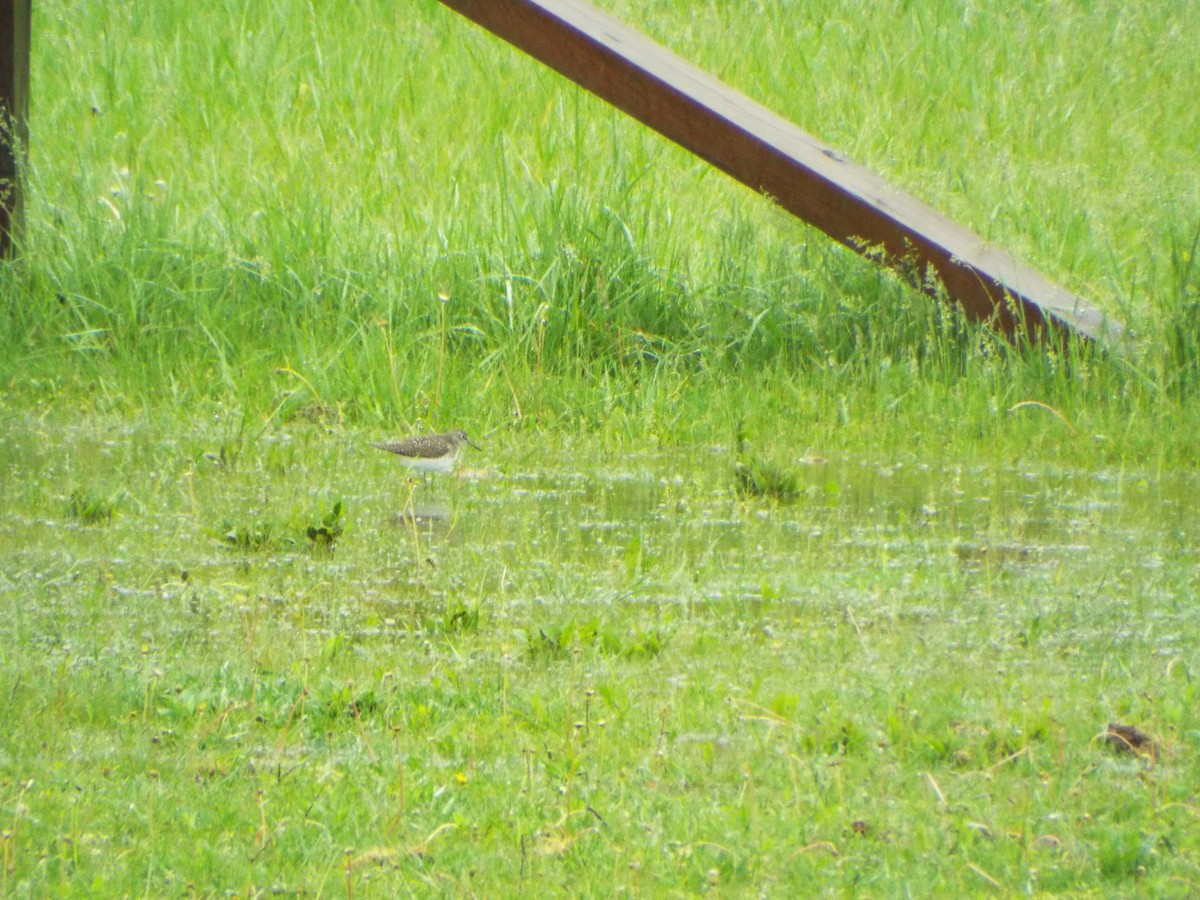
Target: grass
(580, 681)
(884, 655)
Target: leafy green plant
(558, 641)
(458, 618)
(573, 635)
(328, 526)
(253, 537)
(756, 477)
(644, 643)
(92, 507)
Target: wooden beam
(14, 114)
(771, 155)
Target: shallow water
(874, 539)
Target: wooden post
(14, 113)
(771, 155)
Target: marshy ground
(596, 666)
(771, 576)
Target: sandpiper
(429, 452)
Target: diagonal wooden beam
(769, 154)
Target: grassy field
(772, 577)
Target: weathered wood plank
(14, 111)
(770, 154)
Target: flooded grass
(772, 577)
(588, 671)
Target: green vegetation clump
(758, 478)
(327, 527)
(606, 656)
(92, 507)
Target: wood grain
(771, 155)
(14, 111)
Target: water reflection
(665, 530)
(421, 514)
(675, 522)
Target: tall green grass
(252, 202)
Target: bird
(429, 452)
